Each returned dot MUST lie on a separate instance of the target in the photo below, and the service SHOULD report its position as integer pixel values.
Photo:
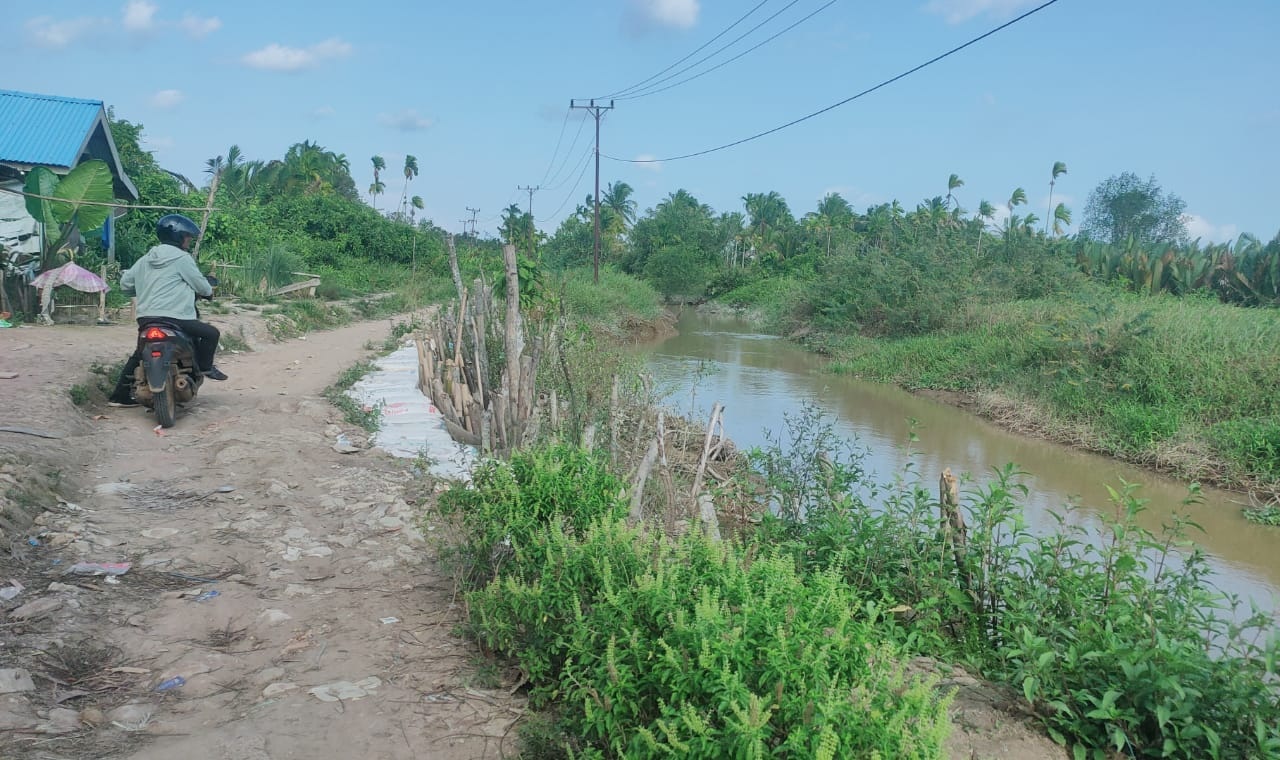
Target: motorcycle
(168, 374)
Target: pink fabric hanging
(73, 276)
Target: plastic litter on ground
(411, 425)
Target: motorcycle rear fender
(157, 367)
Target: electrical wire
(700, 48)
(556, 152)
(569, 152)
(849, 99)
(572, 192)
(648, 92)
(719, 50)
(590, 151)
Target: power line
(647, 92)
(849, 99)
(719, 50)
(556, 152)
(585, 155)
(702, 47)
(582, 123)
(585, 163)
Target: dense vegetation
(1117, 337)
(783, 642)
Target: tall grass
(617, 299)
(1151, 375)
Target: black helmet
(173, 228)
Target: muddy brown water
(762, 380)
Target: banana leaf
(78, 193)
(41, 181)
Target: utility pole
(473, 211)
(532, 229)
(596, 111)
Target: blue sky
(479, 90)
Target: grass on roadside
(355, 413)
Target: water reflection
(762, 379)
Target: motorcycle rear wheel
(165, 405)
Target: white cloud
(139, 16)
(275, 57)
(323, 112)
(1199, 227)
(46, 32)
(676, 14)
(989, 98)
(167, 98)
(407, 120)
(198, 26)
(959, 11)
(650, 164)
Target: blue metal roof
(45, 129)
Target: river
(763, 379)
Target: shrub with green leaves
(652, 648)
(508, 502)
(1115, 635)
(644, 646)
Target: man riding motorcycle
(166, 281)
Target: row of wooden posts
(454, 363)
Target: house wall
(19, 231)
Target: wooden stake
(613, 422)
(208, 209)
(717, 410)
(453, 269)
(514, 333)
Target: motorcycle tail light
(154, 333)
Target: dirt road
(302, 611)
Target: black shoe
(121, 401)
(213, 373)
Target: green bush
(1116, 636)
(652, 648)
(508, 502)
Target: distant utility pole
(596, 111)
(532, 189)
(473, 211)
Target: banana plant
(81, 200)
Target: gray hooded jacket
(164, 281)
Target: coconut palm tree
(1059, 169)
(1061, 218)
(410, 171)
(769, 215)
(834, 212)
(378, 187)
(512, 218)
(617, 196)
(986, 212)
(953, 183)
(415, 205)
(1018, 198)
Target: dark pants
(204, 339)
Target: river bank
(1181, 387)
